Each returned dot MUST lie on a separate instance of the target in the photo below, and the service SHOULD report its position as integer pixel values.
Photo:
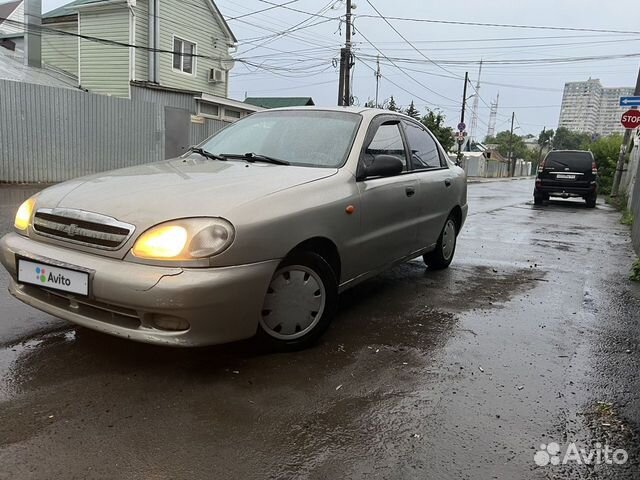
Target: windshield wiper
(204, 153)
(255, 157)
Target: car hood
(150, 194)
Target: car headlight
(186, 239)
(24, 214)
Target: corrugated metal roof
(12, 68)
(279, 102)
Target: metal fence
(50, 134)
(633, 191)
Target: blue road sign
(630, 101)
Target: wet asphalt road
(433, 375)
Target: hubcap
(294, 303)
(448, 239)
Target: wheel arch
(456, 212)
(324, 247)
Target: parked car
(567, 173)
(256, 230)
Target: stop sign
(631, 119)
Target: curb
(492, 180)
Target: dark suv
(567, 173)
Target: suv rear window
(575, 161)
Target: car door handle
(410, 191)
(447, 182)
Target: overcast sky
(309, 70)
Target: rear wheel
(591, 201)
(538, 200)
(300, 302)
(442, 256)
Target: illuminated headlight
(24, 215)
(186, 239)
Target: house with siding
(11, 30)
(173, 52)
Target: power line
(505, 25)
(507, 85)
(528, 61)
(274, 6)
(298, 26)
(43, 29)
(427, 102)
(405, 38)
(400, 69)
(302, 11)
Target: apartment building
(589, 107)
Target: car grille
(83, 228)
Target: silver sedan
(255, 231)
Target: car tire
(591, 201)
(300, 302)
(441, 257)
(538, 200)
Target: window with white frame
(183, 56)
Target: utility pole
(512, 163)
(378, 76)
(464, 105)
(623, 149)
(344, 84)
(544, 130)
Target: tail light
(541, 167)
(594, 168)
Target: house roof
(279, 102)
(70, 10)
(7, 9)
(13, 68)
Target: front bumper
(127, 299)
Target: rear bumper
(127, 299)
(563, 190)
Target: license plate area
(565, 176)
(54, 277)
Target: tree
(434, 121)
(505, 142)
(392, 105)
(605, 152)
(545, 137)
(565, 139)
(412, 111)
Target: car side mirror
(383, 166)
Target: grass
(635, 271)
(620, 202)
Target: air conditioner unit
(216, 75)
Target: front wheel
(591, 201)
(442, 256)
(300, 302)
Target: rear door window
(424, 151)
(574, 161)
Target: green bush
(606, 151)
(635, 271)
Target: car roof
(364, 111)
(570, 151)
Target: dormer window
(183, 56)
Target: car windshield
(307, 137)
(578, 161)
